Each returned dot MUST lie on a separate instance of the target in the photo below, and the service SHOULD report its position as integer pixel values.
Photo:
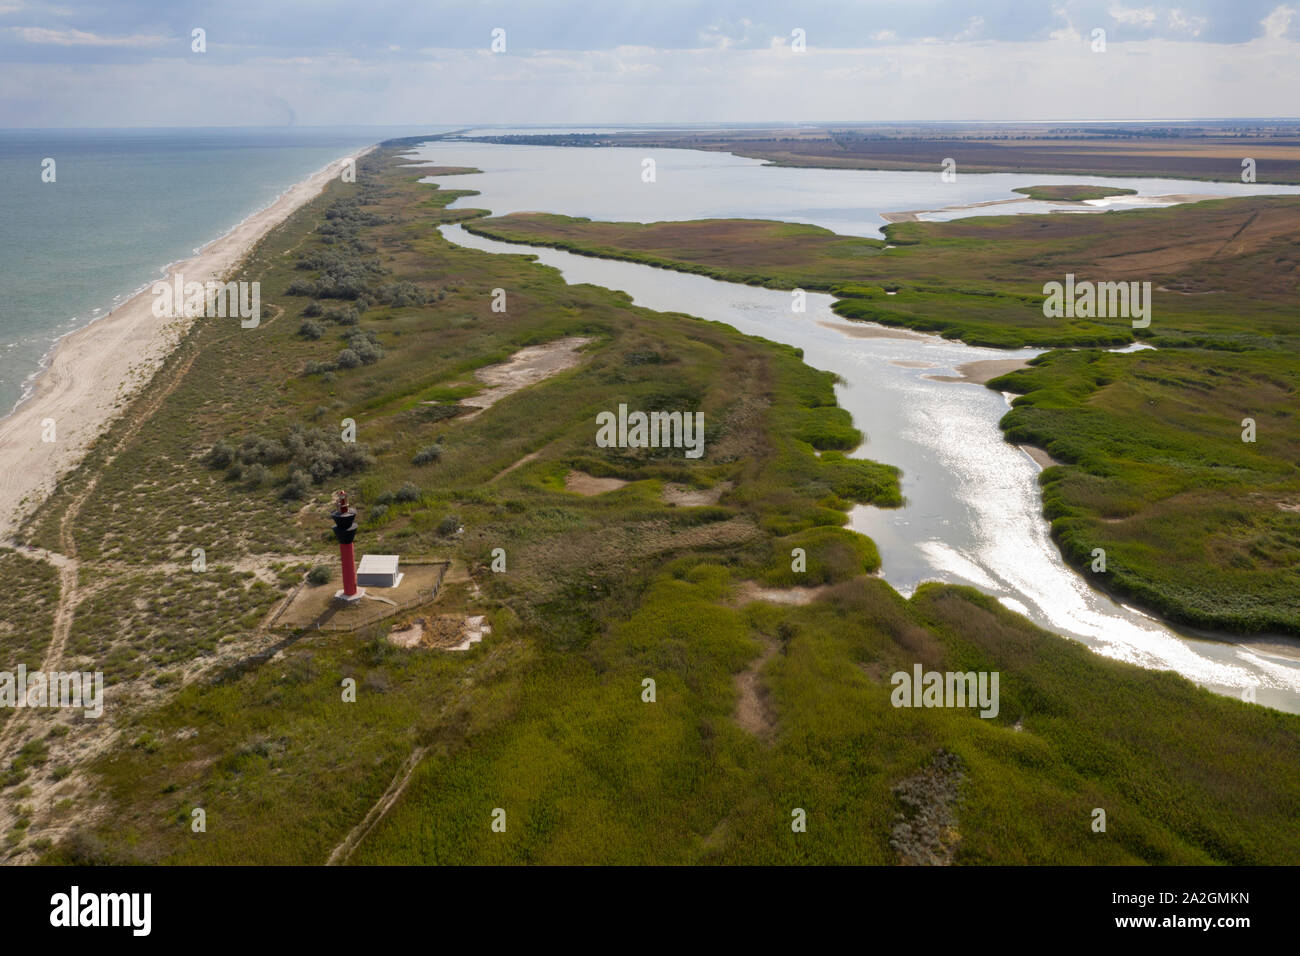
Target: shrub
(219, 456)
(408, 492)
(312, 310)
(266, 451)
(301, 287)
(402, 294)
(643, 357)
(448, 525)
(345, 316)
(428, 454)
(297, 487)
(311, 330)
(313, 454)
(319, 575)
(365, 345)
(348, 359)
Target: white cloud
(907, 82)
(82, 38)
(1277, 23)
(721, 36)
(1133, 16)
(1183, 23)
(1067, 33)
(974, 27)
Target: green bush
(219, 456)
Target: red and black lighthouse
(345, 529)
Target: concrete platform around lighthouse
(314, 605)
(342, 597)
(378, 571)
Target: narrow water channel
(973, 508)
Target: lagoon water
(973, 508)
(605, 183)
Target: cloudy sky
(318, 62)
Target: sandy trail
(94, 370)
(753, 709)
(340, 854)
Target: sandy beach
(982, 371)
(95, 371)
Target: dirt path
(341, 853)
(753, 709)
(381, 807)
(67, 539)
(69, 568)
(531, 456)
(1237, 235)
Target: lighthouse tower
(345, 529)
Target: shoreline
(91, 373)
(1087, 205)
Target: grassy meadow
(1073, 193)
(235, 448)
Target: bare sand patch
(1043, 459)
(526, 367)
(982, 371)
(868, 330)
(1086, 205)
(585, 484)
(1184, 197)
(686, 496)
(753, 591)
(1279, 645)
(446, 632)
